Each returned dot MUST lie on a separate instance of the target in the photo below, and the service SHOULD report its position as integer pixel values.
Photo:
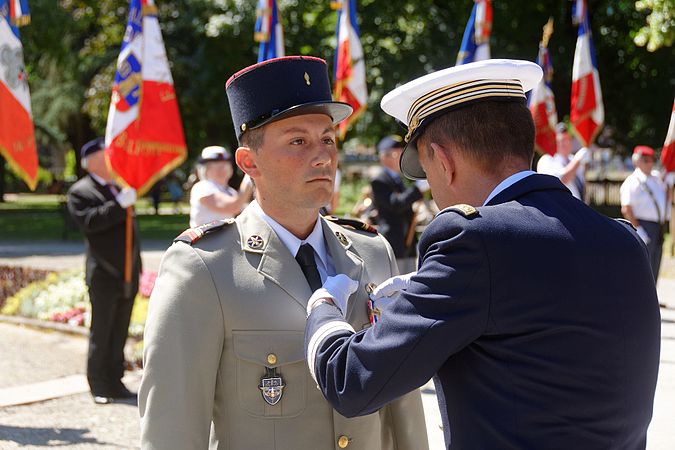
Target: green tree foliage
(71, 48)
(660, 29)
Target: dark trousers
(110, 316)
(655, 247)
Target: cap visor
(410, 163)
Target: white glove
(126, 197)
(391, 286)
(583, 155)
(336, 289)
(422, 185)
(643, 234)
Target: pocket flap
(269, 348)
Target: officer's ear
(245, 159)
(445, 161)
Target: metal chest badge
(272, 386)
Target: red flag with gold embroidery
(144, 137)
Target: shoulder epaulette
(351, 223)
(467, 211)
(192, 235)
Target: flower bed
(12, 279)
(63, 297)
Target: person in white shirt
(211, 198)
(570, 169)
(644, 202)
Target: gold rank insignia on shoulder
(192, 235)
(351, 223)
(342, 238)
(467, 211)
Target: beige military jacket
(227, 310)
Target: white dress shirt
(324, 263)
(634, 193)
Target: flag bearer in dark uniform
(521, 357)
(98, 206)
(394, 203)
(224, 334)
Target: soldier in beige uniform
(224, 359)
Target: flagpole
(128, 249)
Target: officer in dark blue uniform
(537, 317)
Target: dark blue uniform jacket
(537, 317)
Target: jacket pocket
(266, 355)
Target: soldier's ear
(445, 161)
(245, 159)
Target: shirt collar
(292, 243)
(510, 181)
(640, 175)
(98, 179)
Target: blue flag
(476, 39)
(268, 31)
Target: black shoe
(121, 391)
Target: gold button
(271, 359)
(343, 441)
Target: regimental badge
(307, 79)
(255, 242)
(272, 386)
(342, 238)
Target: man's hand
(336, 290)
(583, 155)
(643, 234)
(126, 197)
(391, 286)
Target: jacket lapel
(344, 258)
(535, 182)
(274, 261)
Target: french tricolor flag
(268, 31)
(587, 113)
(144, 136)
(17, 136)
(668, 151)
(541, 100)
(476, 40)
(350, 67)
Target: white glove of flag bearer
(126, 197)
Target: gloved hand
(422, 185)
(583, 155)
(391, 286)
(643, 234)
(336, 289)
(126, 197)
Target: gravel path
(73, 422)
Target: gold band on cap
(457, 94)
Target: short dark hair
(490, 132)
(253, 138)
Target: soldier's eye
(298, 141)
(329, 141)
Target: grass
(42, 217)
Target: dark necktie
(305, 258)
